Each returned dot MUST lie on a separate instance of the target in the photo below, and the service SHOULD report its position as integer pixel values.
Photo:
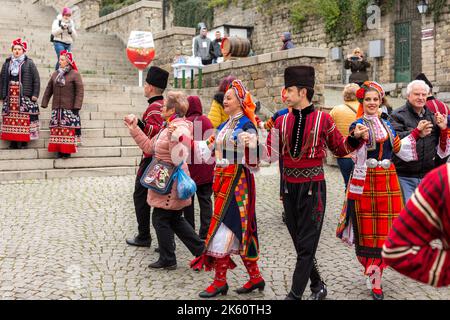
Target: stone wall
(263, 75)
(84, 11)
(141, 16)
(431, 55)
(171, 43)
(267, 31)
(442, 29)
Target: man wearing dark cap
(433, 104)
(151, 123)
(300, 139)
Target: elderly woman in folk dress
(66, 87)
(374, 197)
(233, 227)
(19, 91)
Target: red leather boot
(256, 280)
(219, 285)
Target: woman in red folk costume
(67, 89)
(233, 227)
(374, 198)
(19, 91)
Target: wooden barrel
(235, 47)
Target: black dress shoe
(138, 242)
(320, 293)
(65, 155)
(260, 286)
(291, 296)
(377, 296)
(159, 265)
(223, 290)
(23, 145)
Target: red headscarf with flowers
(20, 42)
(245, 99)
(69, 57)
(362, 92)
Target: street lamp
(422, 7)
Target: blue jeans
(59, 46)
(408, 186)
(346, 165)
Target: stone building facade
(428, 43)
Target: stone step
(85, 142)
(83, 152)
(65, 173)
(70, 163)
(73, 163)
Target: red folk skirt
(374, 213)
(65, 131)
(17, 125)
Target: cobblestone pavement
(65, 239)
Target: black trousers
(204, 193)
(304, 206)
(141, 206)
(170, 222)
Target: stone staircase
(111, 92)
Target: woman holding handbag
(19, 92)
(169, 155)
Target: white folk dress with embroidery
(407, 152)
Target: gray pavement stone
(65, 239)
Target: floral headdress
(362, 92)
(20, 42)
(245, 99)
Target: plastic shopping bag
(186, 187)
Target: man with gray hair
(432, 142)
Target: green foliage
(108, 6)
(188, 13)
(436, 8)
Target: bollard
(192, 78)
(176, 83)
(200, 78)
(183, 80)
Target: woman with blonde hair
(168, 151)
(357, 63)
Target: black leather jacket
(404, 120)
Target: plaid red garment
(375, 212)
